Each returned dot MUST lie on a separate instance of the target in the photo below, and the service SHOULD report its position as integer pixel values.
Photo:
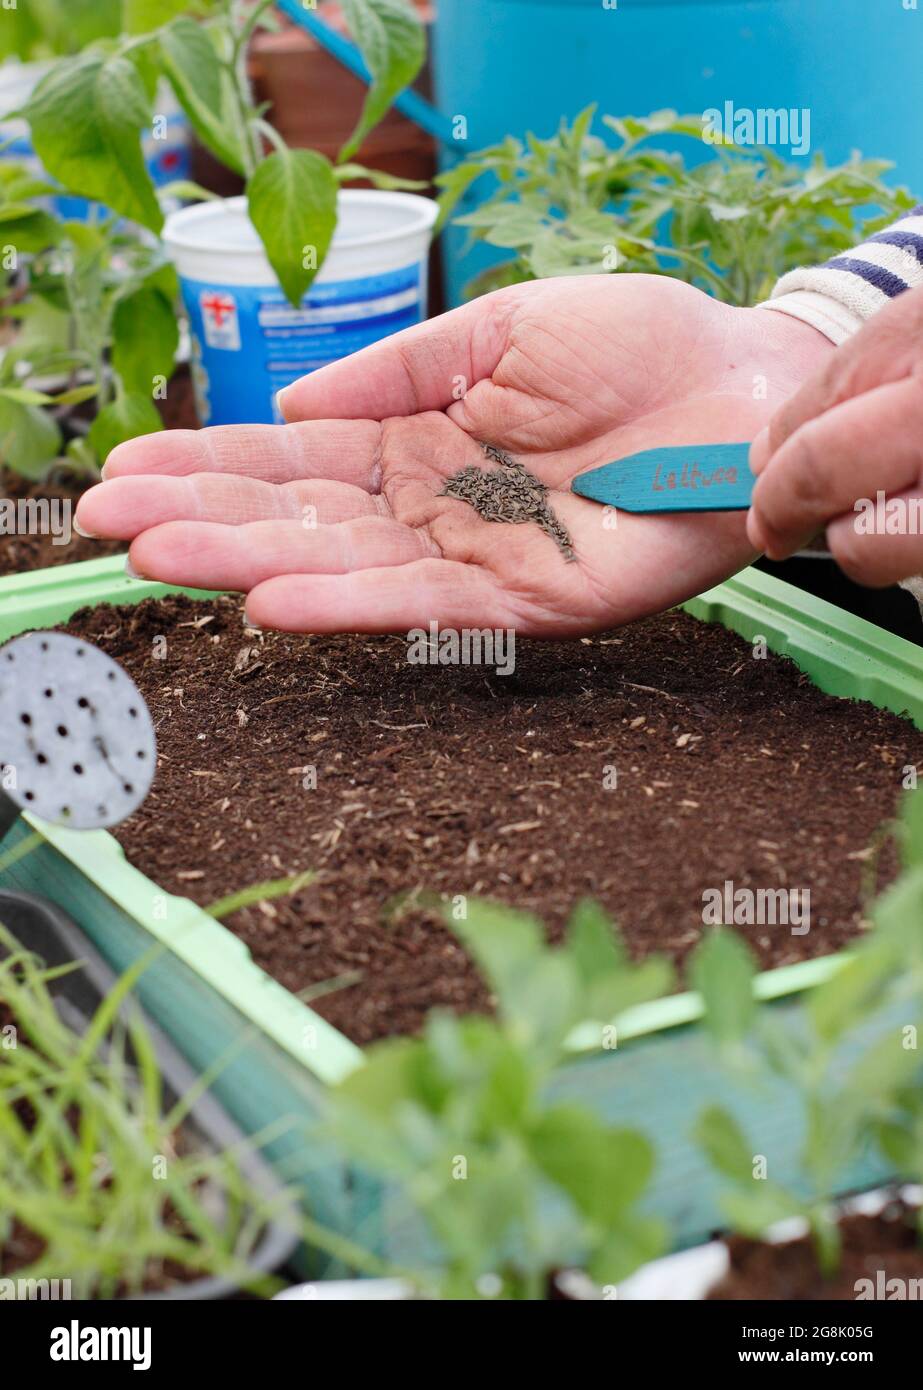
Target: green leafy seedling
(576, 205)
(851, 1058)
(509, 1184)
(88, 114)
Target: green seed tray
(206, 992)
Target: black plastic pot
(44, 929)
(893, 609)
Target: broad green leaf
(834, 1125)
(754, 1211)
(611, 982)
(85, 21)
(604, 1171)
(475, 1073)
(34, 231)
(20, 32)
(124, 418)
(292, 200)
(387, 1077)
(193, 67)
(25, 395)
(725, 1144)
(635, 984)
(888, 1066)
(840, 1003)
(86, 117)
(503, 942)
(593, 942)
(390, 37)
(145, 337)
(78, 394)
(17, 181)
(29, 438)
(632, 1242)
(456, 182)
(143, 16)
(43, 329)
(722, 970)
(899, 1144)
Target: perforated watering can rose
(77, 743)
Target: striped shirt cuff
(838, 297)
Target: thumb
(423, 368)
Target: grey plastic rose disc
(77, 743)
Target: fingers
(344, 451)
(881, 352)
(123, 508)
(423, 368)
(883, 542)
(204, 555)
(381, 600)
(872, 442)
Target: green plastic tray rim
(842, 654)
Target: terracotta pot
(315, 103)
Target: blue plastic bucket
(509, 66)
(248, 342)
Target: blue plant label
(685, 478)
(249, 342)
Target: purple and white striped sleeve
(840, 295)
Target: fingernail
(249, 623)
(755, 533)
(104, 473)
(87, 535)
(759, 452)
(132, 572)
(280, 401)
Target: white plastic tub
(248, 342)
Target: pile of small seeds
(508, 492)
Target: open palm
(335, 522)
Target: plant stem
(237, 70)
(272, 135)
(248, 28)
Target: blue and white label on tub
(248, 343)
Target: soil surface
(877, 1248)
(21, 554)
(433, 781)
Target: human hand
(563, 374)
(854, 430)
